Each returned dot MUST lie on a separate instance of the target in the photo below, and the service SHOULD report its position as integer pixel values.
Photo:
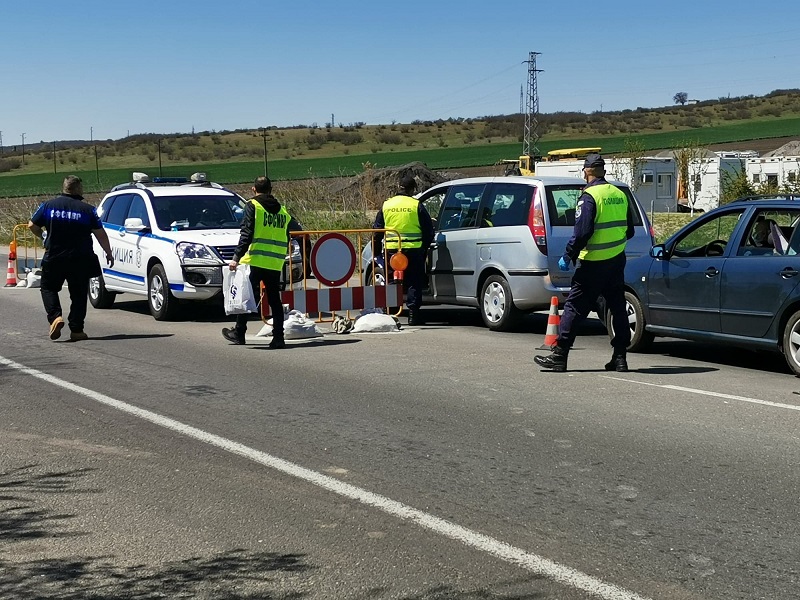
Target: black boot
(414, 316)
(277, 342)
(233, 336)
(557, 360)
(617, 363)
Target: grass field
(100, 179)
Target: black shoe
(277, 344)
(233, 336)
(617, 363)
(556, 361)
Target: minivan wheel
(497, 304)
(640, 339)
(380, 276)
(163, 305)
(791, 342)
(99, 296)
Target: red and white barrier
(336, 299)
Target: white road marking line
(537, 565)
(680, 388)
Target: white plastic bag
(237, 291)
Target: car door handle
(712, 272)
(788, 272)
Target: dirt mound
(789, 149)
(382, 183)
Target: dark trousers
(413, 276)
(592, 279)
(76, 272)
(272, 291)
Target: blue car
(730, 276)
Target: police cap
(594, 160)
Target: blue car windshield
(174, 213)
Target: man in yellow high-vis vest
(603, 225)
(409, 217)
(263, 244)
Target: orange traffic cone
(11, 272)
(11, 276)
(553, 320)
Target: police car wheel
(791, 342)
(640, 339)
(163, 305)
(99, 296)
(497, 304)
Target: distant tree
(693, 161)
(680, 98)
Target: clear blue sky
(113, 68)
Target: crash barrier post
(323, 281)
(553, 321)
(29, 250)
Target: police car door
(454, 251)
(123, 276)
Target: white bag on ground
(33, 279)
(375, 323)
(296, 326)
(237, 291)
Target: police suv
(170, 238)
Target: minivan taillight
(536, 224)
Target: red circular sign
(333, 259)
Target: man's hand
(109, 259)
(233, 264)
(563, 264)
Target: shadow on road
(235, 574)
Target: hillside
(756, 123)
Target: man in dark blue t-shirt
(69, 256)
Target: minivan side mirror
(659, 252)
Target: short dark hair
(263, 185)
(407, 183)
(72, 185)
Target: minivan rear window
(562, 199)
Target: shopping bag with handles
(237, 291)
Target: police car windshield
(180, 213)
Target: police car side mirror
(658, 252)
(134, 225)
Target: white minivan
(498, 241)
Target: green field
(476, 153)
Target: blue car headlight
(190, 253)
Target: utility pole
(160, 174)
(521, 99)
(1, 142)
(264, 135)
(54, 157)
(531, 136)
(23, 148)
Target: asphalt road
(157, 461)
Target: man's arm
(379, 223)
(102, 239)
(585, 213)
(426, 223)
(245, 235)
(35, 229)
(631, 231)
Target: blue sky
(106, 68)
